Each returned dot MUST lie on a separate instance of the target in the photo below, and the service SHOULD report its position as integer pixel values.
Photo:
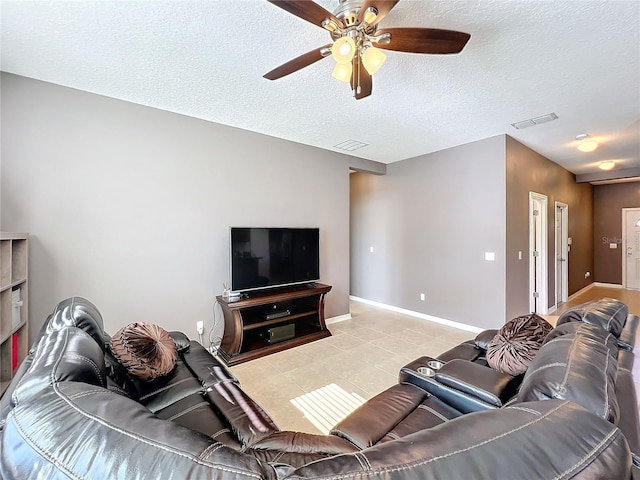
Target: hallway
(630, 297)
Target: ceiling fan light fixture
(342, 72)
(330, 24)
(343, 50)
(372, 59)
(608, 165)
(370, 15)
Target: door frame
(623, 253)
(541, 272)
(563, 286)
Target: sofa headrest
(65, 355)
(80, 313)
(579, 365)
(607, 313)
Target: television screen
(268, 257)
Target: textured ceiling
(579, 59)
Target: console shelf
(273, 320)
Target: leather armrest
(627, 338)
(366, 425)
(484, 338)
(298, 442)
(487, 384)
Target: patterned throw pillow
(145, 350)
(516, 343)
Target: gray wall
(131, 206)
(430, 221)
(528, 171)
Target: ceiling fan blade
(307, 10)
(360, 78)
(298, 63)
(382, 6)
(423, 40)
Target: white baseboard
(339, 318)
(581, 291)
(424, 316)
(607, 285)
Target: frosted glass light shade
(372, 59)
(370, 15)
(608, 165)
(343, 50)
(342, 72)
(588, 146)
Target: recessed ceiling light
(608, 165)
(586, 145)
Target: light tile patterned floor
(363, 357)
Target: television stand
(269, 321)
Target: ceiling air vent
(535, 121)
(350, 145)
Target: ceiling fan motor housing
(347, 12)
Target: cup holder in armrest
(426, 371)
(431, 368)
(435, 364)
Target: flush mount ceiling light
(586, 145)
(357, 41)
(608, 165)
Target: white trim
(543, 255)
(625, 247)
(608, 285)
(563, 253)
(424, 316)
(581, 291)
(339, 318)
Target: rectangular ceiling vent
(535, 121)
(350, 145)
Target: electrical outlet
(200, 327)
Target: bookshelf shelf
(14, 323)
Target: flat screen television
(271, 257)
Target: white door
(562, 252)
(631, 250)
(538, 253)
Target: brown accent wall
(608, 202)
(528, 171)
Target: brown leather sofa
(73, 412)
(590, 350)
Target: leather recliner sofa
(73, 412)
(591, 350)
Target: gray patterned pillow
(516, 343)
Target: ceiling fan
(357, 41)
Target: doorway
(631, 248)
(562, 252)
(538, 302)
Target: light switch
(371, 249)
(519, 254)
(490, 256)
